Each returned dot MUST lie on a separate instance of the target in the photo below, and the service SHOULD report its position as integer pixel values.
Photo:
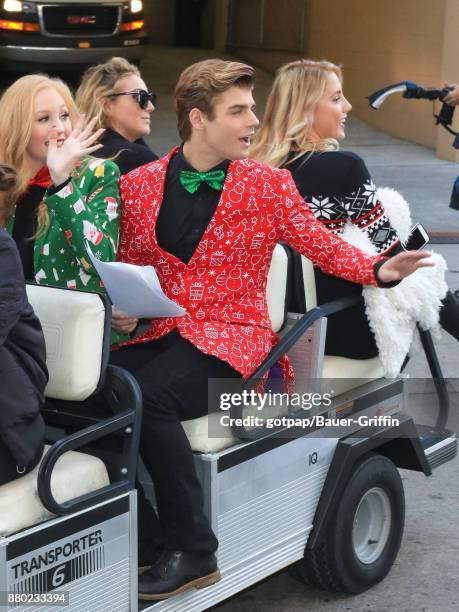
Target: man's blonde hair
(16, 121)
(98, 83)
(289, 113)
(201, 83)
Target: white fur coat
(393, 313)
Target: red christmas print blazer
(223, 287)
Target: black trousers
(173, 376)
(449, 314)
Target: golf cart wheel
(364, 536)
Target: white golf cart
(327, 501)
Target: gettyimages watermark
(246, 398)
(331, 407)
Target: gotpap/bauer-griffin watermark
(314, 421)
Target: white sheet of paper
(135, 289)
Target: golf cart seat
(206, 434)
(77, 335)
(75, 474)
(334, 368)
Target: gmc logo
(81, 19)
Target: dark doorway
(191, 25)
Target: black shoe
(178, 571)
(150, 555)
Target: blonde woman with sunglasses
(115, 95)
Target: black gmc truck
(60, 33)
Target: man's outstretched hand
(403, 264)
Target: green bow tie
(191, 180)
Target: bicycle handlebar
(412, 91)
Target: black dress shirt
(183, 217)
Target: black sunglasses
(141, 96)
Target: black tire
(339, 563)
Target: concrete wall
(220, 24)
(159, 17)
(377, 43)
(387, 42)
(450, 73)
(266, 32)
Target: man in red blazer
(208, 219)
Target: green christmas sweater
(87, 208)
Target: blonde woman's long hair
(289, 113)
(98, 83)
(16, 121)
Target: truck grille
(83, 20)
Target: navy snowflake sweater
(338, 188)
